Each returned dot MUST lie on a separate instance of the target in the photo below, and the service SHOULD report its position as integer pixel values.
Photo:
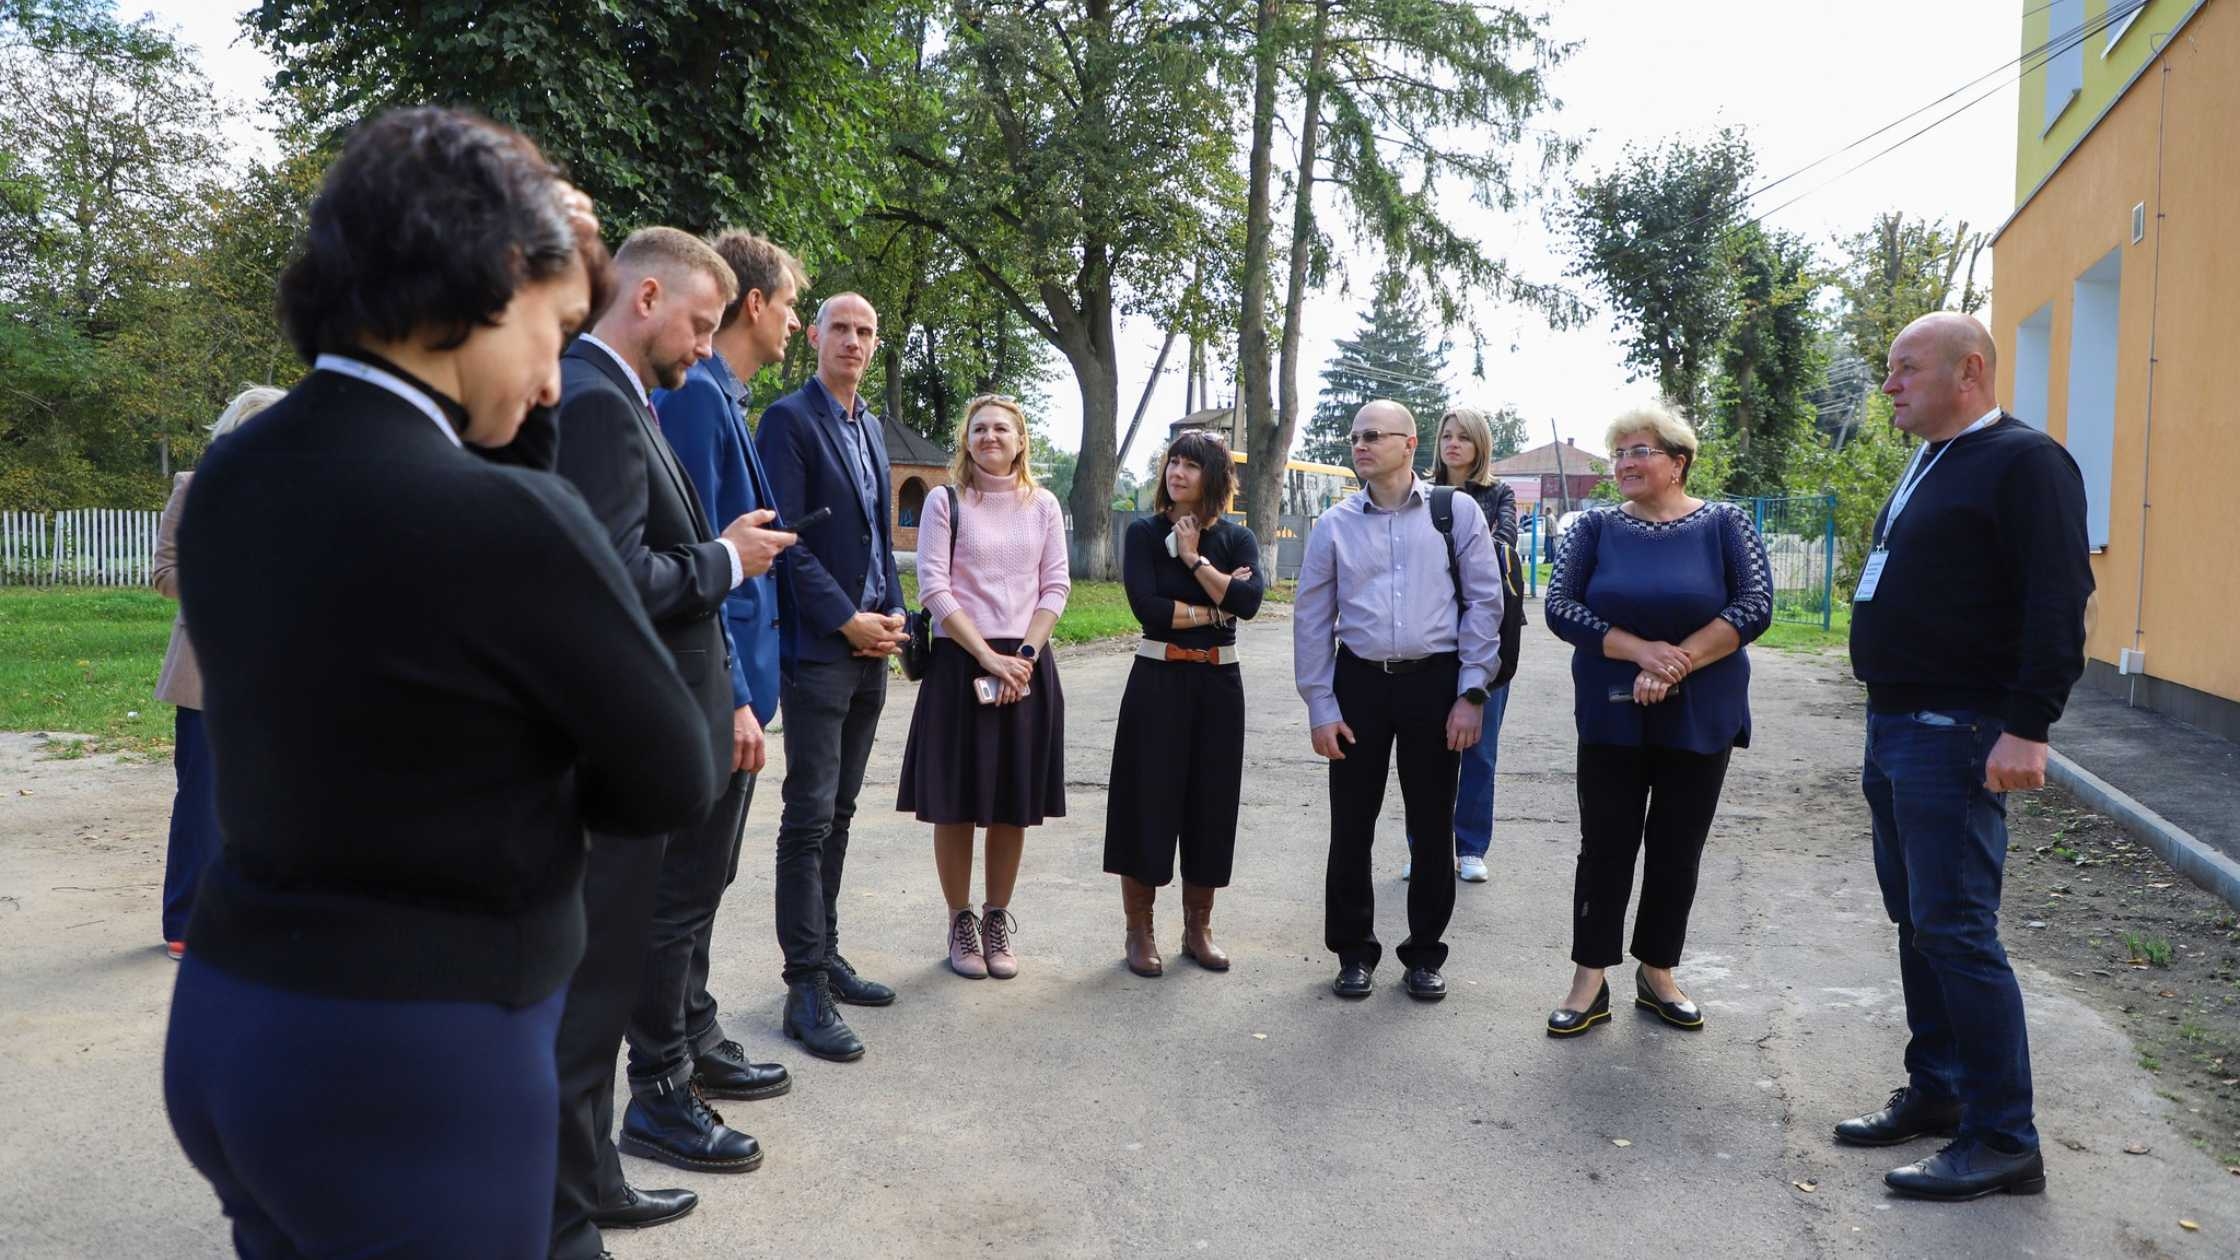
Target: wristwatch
(1026, 651)
(1202, 562)
(1476, 695)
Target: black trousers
(1636, 800)
(1177, 773)
(675, 1018)
(1407, 711)
(832, 715)
(620, 878)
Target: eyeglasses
(1370, 437)
(1637, 452)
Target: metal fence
(1800, 538)
(82, 547)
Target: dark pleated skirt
(991, 765)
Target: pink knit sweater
(1011, 558)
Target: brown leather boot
(1197, 928)
(1143, 947)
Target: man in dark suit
(671, 291)
(676, 1042)
(823, 449)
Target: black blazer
(424, 676)
(809, 470)
(611, 449)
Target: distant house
(1544, 473)
(1227, 421)
(916, 464)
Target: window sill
(2061, 113)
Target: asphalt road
(1081, 1111)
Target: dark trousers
(336, 1127)
(1940, 850)
(832, 714)
(194, 822)
(620, 877)
(1177, 773)
(1384, 711)
(1656, 802)
(675, 1019)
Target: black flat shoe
(1680, 1014)
(853, 989)
(1426, 985)
(1969, 1170)
(725, 1072)
(641, 1209)
(1352, 982)
(1908, 1115)
(1570, 1023)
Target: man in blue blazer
(675, 1040)
(823, 449)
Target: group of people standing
(557, 590)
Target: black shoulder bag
(917, 642)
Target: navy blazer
(705, 421)
(809, 469)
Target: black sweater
(1156, 581)
(1981, 603)
(425, 675)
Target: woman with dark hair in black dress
(1178, 753)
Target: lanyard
(374, 376)
(1911, 480)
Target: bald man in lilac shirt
(1390, 648)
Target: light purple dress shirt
(1376, 581)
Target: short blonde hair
(961, 466)
(244, 405)
(669, 252)
(1473, 425)
(1672, 433)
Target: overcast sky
(1803, 77)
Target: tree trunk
(1270, 448)
(1265, 470)
(1085, 337)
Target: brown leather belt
(1153, 650)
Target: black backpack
(1512, 575)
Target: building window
(2033, 366)
(2091, 436)
(2064, 56)
(2118, 25)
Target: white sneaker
(1473, 870)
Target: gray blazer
(180, 683)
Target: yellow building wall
(2189, 618)
(2037, 150)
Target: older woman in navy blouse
(1657, 597)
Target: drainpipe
(2146, 441)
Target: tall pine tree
(1393, 356)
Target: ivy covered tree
(1392, 356)
(1770, 362)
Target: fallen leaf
(1259, 1036)
(2137, 1148)
(1621, 1142)
(1807, 1186)
(2168, 993)
(2234, 1170)
(2074, 1145)
(2189, 1225)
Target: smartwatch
(1026, 651)
(1476, 695)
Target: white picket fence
(81, 547)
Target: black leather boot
(813, 1020)
(853, 989)
(680, 1129)
(726, 1072)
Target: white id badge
(1871, 576)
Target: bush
(1860, 475)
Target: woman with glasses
(988, 735)
(1178, 752)
(1657, 598)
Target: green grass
(2152, 950)
(1790, 636)
(84, 660)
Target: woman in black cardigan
(1178, 752)
(425, 674)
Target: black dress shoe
(643, 1208)
(1426, 985)
(1680, 1014)
(724, 1072)
(1905, 1117)
(812, 1020)
(1569, 1023)
(1970, 1169)
(680, 1129)
(1353, 981)
(853, 989)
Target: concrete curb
(2193, 858)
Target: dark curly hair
(428, 223)
(1217, 484)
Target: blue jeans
(1473, 793)
(1940, 848)
(194, 822)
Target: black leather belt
(1399, 667)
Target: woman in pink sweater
(987, 739)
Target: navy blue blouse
(1662, 581)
